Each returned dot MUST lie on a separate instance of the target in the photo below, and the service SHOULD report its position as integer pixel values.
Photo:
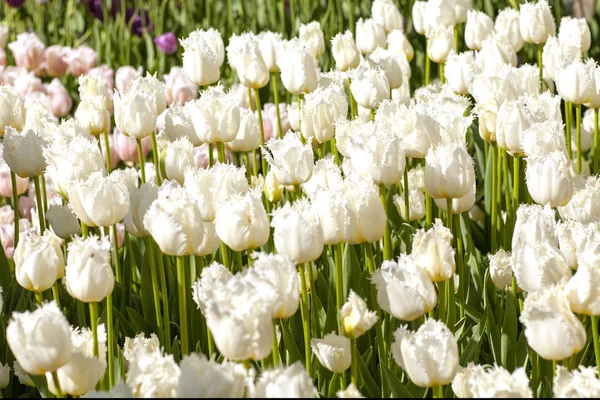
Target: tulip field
(299, 198)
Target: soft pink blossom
(61, 102)
(126, 147)
(125, 76)
(178, 87)
(7, 235)
(28, 50)
(81, 60)
(56, 60)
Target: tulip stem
(247, 162)
(339, 287)
(276, 96)
(578, 133)
(568, 117)
(39, 298)
(118, 272)
(110, 340)
(494, 152)
(224, 255)
(94, 322)
(594, 320)
(165, 296)
(182, 286)
(305, 319)
(387, 251)
(354, 365)
(441, 73)
(516, 183)
(313, 301)
(263, 161)
(508, 201)
(221, 152)
(211, 156)
(57, 387)
(84, 230)
(15, 201)
(238, 255)
(428, 210)
(334, 151)
(596, 142)
(38, 198)
(442, 300)
(275, 350)
(438, 393)
(540, 47)
(142, 160)
(154, 279)
(460, 266)
(155, 158)
(406, 193)
(427, 64)
(107, 151)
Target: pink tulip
(27, 204)
(3, 36)
(114, 156)
(5, 182)
(104, 71)
(27, 83)
(7, 235)
(28, 50)
(270, 113)
(56, 60)
(178, 87)
(201, 155)
(120, 235)
(2, 57)
(60, 101)
(125, 76)
(126, 147)
(81, 60)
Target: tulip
(449, 171)
(35, 353)
(126, 147)
(38, 262)
(344, 51)
(433, 252)
(475, 381)
(63, 221)
(575, 83)
(438, 13)
(179, 124)
(460, 205)
(178, 157)
(337, 216)
(369, 214)
(495, 53)
(418, 16)
(551, 328)
(242, 222)
(544, 138)
(92, 114)
(429, 356)
(269, 44)
(135, 113)
(369, 36)
(507, 27)
(173, 221)
(203, 54)
(125, 76)
(81, 60)
(440, 44)
(212, 276)
(292, 381)
(311, 37)
(178, 88)
(61, 102)
(297, 233)
(351, 392)
(501, 269)
(389, 63)
(479, 26)
(576, 31)
(320, 111)
(577, 383)
(248, 135)
(200, 376)
(12, 109)
(584, 206)
(94, 85)
(404, 279)
(557, 55)
(355, 317)
(139, 342)
(167, 42)
(513, 118)
(369, 87)
(83, 371)
(28, 50)
(56, 60)
(387, 15)
(534, 224)
(152, 374)
(22, 151)
(272, 190)
(290, 160)
(416, 210)
(298, 68)
(245, 57)
(333, 352)
(7, 235)
(215, 116)
(549, 179)
(4, 375)
(582, 288)
(110, 191)
(399, 44)
(459, 71)
(6, 189)
(537, 266)
(536, 22)
(326, 176)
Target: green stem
(94, 322)
(387, 251)
(313, 302)
(211, 156)
(540, 47)
(39, 298)
(438, 393)
(594, 320)
(165, 295)
(38, 198)
(516, 184)
(240, 264)
(507, 198)
(142, 160)
(247, 162)
(305, 319)
(568, 117)
(428, 211)
(275, 350)
(55, 294)
(225, 255)
(441, 73)
(276, 95)
(57, 387)
(44, 195)
(221, 152)
(494, 151)
(263, 161)
(578, 138)
(118, 270)
(156, 159)
(354, 365)
(427, 64)
(406, 193)
(110, 340)
(336, 154)
(154, 280)
(339, 287)
(352, 101)
(462, 294)
(84, 230)
(442, 301)
(182, 286)
(596, 142)
(107, 151)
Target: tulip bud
(94, 85)
(63, 221)
(56, 60)
(536, 22)
(494, 54)
(298, 68)
(22, 151)
(245, 57)
(212, 379)
(174, 222)
(269, 44)
(110, 191)
(369, 87)
(575, 31)
(429, 356)
(337, 217)
(203, 54)
(401, 280)
(460, 205)
(297, 232)
(4, 375)
(537, 266)
(6, 189)
(215, 115)
(89, 276)
(478, 28)
(12, 109)
(389, 63)
(178, 157)
(440, 44)
(507, 26)
(501, 269)
(326, 175)
(549, 179)
(433, 252)
(311, 37)
(28, 50)
(418, 16)
(292, 381)
(92, 114)
(38, 262)
(35, 353)
(333, 352)
(575, 82)
(387, 15)
(344, 51)
(355, 317)
(449, 171)
(369, 36)
(272, 189)
(551, 328)
(459, 71)
(290, 160)
(214, 275)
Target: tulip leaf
(509, 334)
(147, 295)
(138, 321)
(471, 350)
(487, 183)
(368, 383)
(350, 266)
(492, 327)
(291, 348)
(41, 385)
(5, 271)
(398, 389)
(127, 328)
(331, 320)
(334, 385)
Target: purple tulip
(138, 26)
(15, 3)
(95, 7)
(167, 42)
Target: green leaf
(41, 385)
(5, 271)
(398, 389)
(334, 385)
(509, 334)
(147, 296)
(368, 383)
(291, 348)
(138, 321)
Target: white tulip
(13, 109)
(440, 44)
(575, 31)
(205, 378)
(178, 123)
(369, 35)
(538, 266)
(578, 383)
(575, 82)
(203, 54)
(433, 252)
(321, 110)
(136, 113)
(475, 381)
(298, 68)
(292, 381)
(39, 261)
(584, 206)
(459, 71)
(355, 317)
(152, 374)
(386, 14)
(390, 63)
(269, 44)
(290, 160)
(363, 196)
(178, 157)
(438, 13)
(23, 152)
(583, 288)
(507, 26)
(459, 205)
(248, 135)
(245, 58)
(536, 22)
(449, 171)
(344, 51)
(501, 269)
(140, 200)
(333, 352)
(416, 205)
(399, 44)
(311, 36)
(88, 274)
(549, 179)
(478, 28)
(326, 176)
(351, 392)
